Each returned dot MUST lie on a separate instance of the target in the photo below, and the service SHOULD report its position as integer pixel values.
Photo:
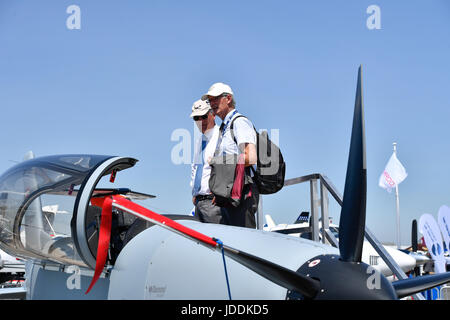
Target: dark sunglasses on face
(198, 118)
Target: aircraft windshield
(37, 204)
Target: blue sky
(125, 81)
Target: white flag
(393, 174)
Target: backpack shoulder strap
(232, 125)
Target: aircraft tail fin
(269, 221)
(29, 155)
(303, 217)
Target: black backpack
(270, 166)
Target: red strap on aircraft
(142, 212)
(103, 238)
(139, 211)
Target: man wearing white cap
(204, 148)
(240, 140)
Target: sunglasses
(198, 118)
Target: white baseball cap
(217, 89)
(200, 108)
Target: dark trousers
(241, 216)
(205, 211)
(244, 214)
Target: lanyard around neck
(224, 126)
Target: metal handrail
(325, 185)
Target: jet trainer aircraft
(135, 253)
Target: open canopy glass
(45, 212)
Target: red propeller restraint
(119, 202)
(104, 236)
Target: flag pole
(397, 202)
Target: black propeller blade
(353, 213)
(344, 277)
(280, 275)
(414, 243)
(410, 286)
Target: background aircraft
(370, 256)
(11, 268)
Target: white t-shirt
(212, 136)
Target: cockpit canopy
(45, 210)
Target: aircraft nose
(340, 280)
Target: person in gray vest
(220, 97)
(204, 148)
